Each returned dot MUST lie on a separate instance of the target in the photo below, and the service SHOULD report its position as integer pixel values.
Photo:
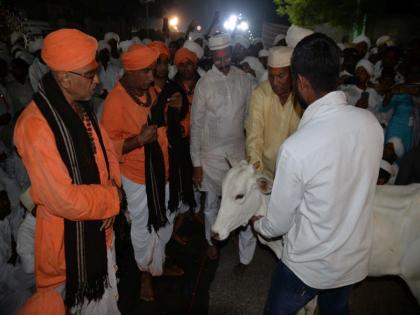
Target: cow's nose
(215, 235)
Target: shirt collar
(323, 105)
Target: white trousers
(149, 246)
(108, 304)
(247, 239)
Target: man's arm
(51, 183)
(198, 113)
(286, 196)
(255, 131)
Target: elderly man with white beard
(219, 109)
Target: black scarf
(181, 170)
(84, 243)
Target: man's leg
(247, 244)
(335, 301)
(287, 293)
(211, 208)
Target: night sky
(256, 11)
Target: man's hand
(148, 134)
(107, 223)
(254, 219)
(175, 101)
(198, 176)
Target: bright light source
(199, 28)
(230, 23)
(174, 21)
(243, 26)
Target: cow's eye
(240, 196)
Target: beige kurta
(269, 123)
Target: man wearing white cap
(109, 72)
(38, 68)
(279, 40)
(219, 110)
(273, 114)
(199, 51)
(360, 94)
(197, 37)
(295, 34)
(362, 45)
(113, 39)
(241, 46)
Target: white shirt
(36, 71)
(110, 76)
(323, 192)
(219, 109)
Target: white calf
(396, 244)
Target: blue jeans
(288, 294)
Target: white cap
(255, 65)
(26, 200)
(25, 56)
(195, 48)
(263, 53)
(278, 38)
(103, 45)
(125, 44)
(295, 34)
(35, 45)
(219, 42)
(383, 40)
(367, 65)
(241, 40)
(362, 38)
(14, 37)
(279, 57)
(196, 35)
(398, 146)
(111, 35)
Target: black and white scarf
(84, 243)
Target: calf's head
(242, 197)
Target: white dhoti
(107, 305)
(149, 246)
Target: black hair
(317, 58)
(392, 49)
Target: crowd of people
(147, 129)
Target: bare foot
(146, 290)
(173, 271)
(182, 240)
(212, 252)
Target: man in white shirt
(219, 109)
(323, 189)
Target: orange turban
(139, 57)
(47, 302)
(161, 47)
(183, 55)
(68, 50)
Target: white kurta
(219, 109)
(25, 244)
(323, 191)
(36, 71)
(109, 77)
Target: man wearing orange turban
(75, 179)
(137, 128)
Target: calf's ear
(265, 185)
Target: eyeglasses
(90, 75)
